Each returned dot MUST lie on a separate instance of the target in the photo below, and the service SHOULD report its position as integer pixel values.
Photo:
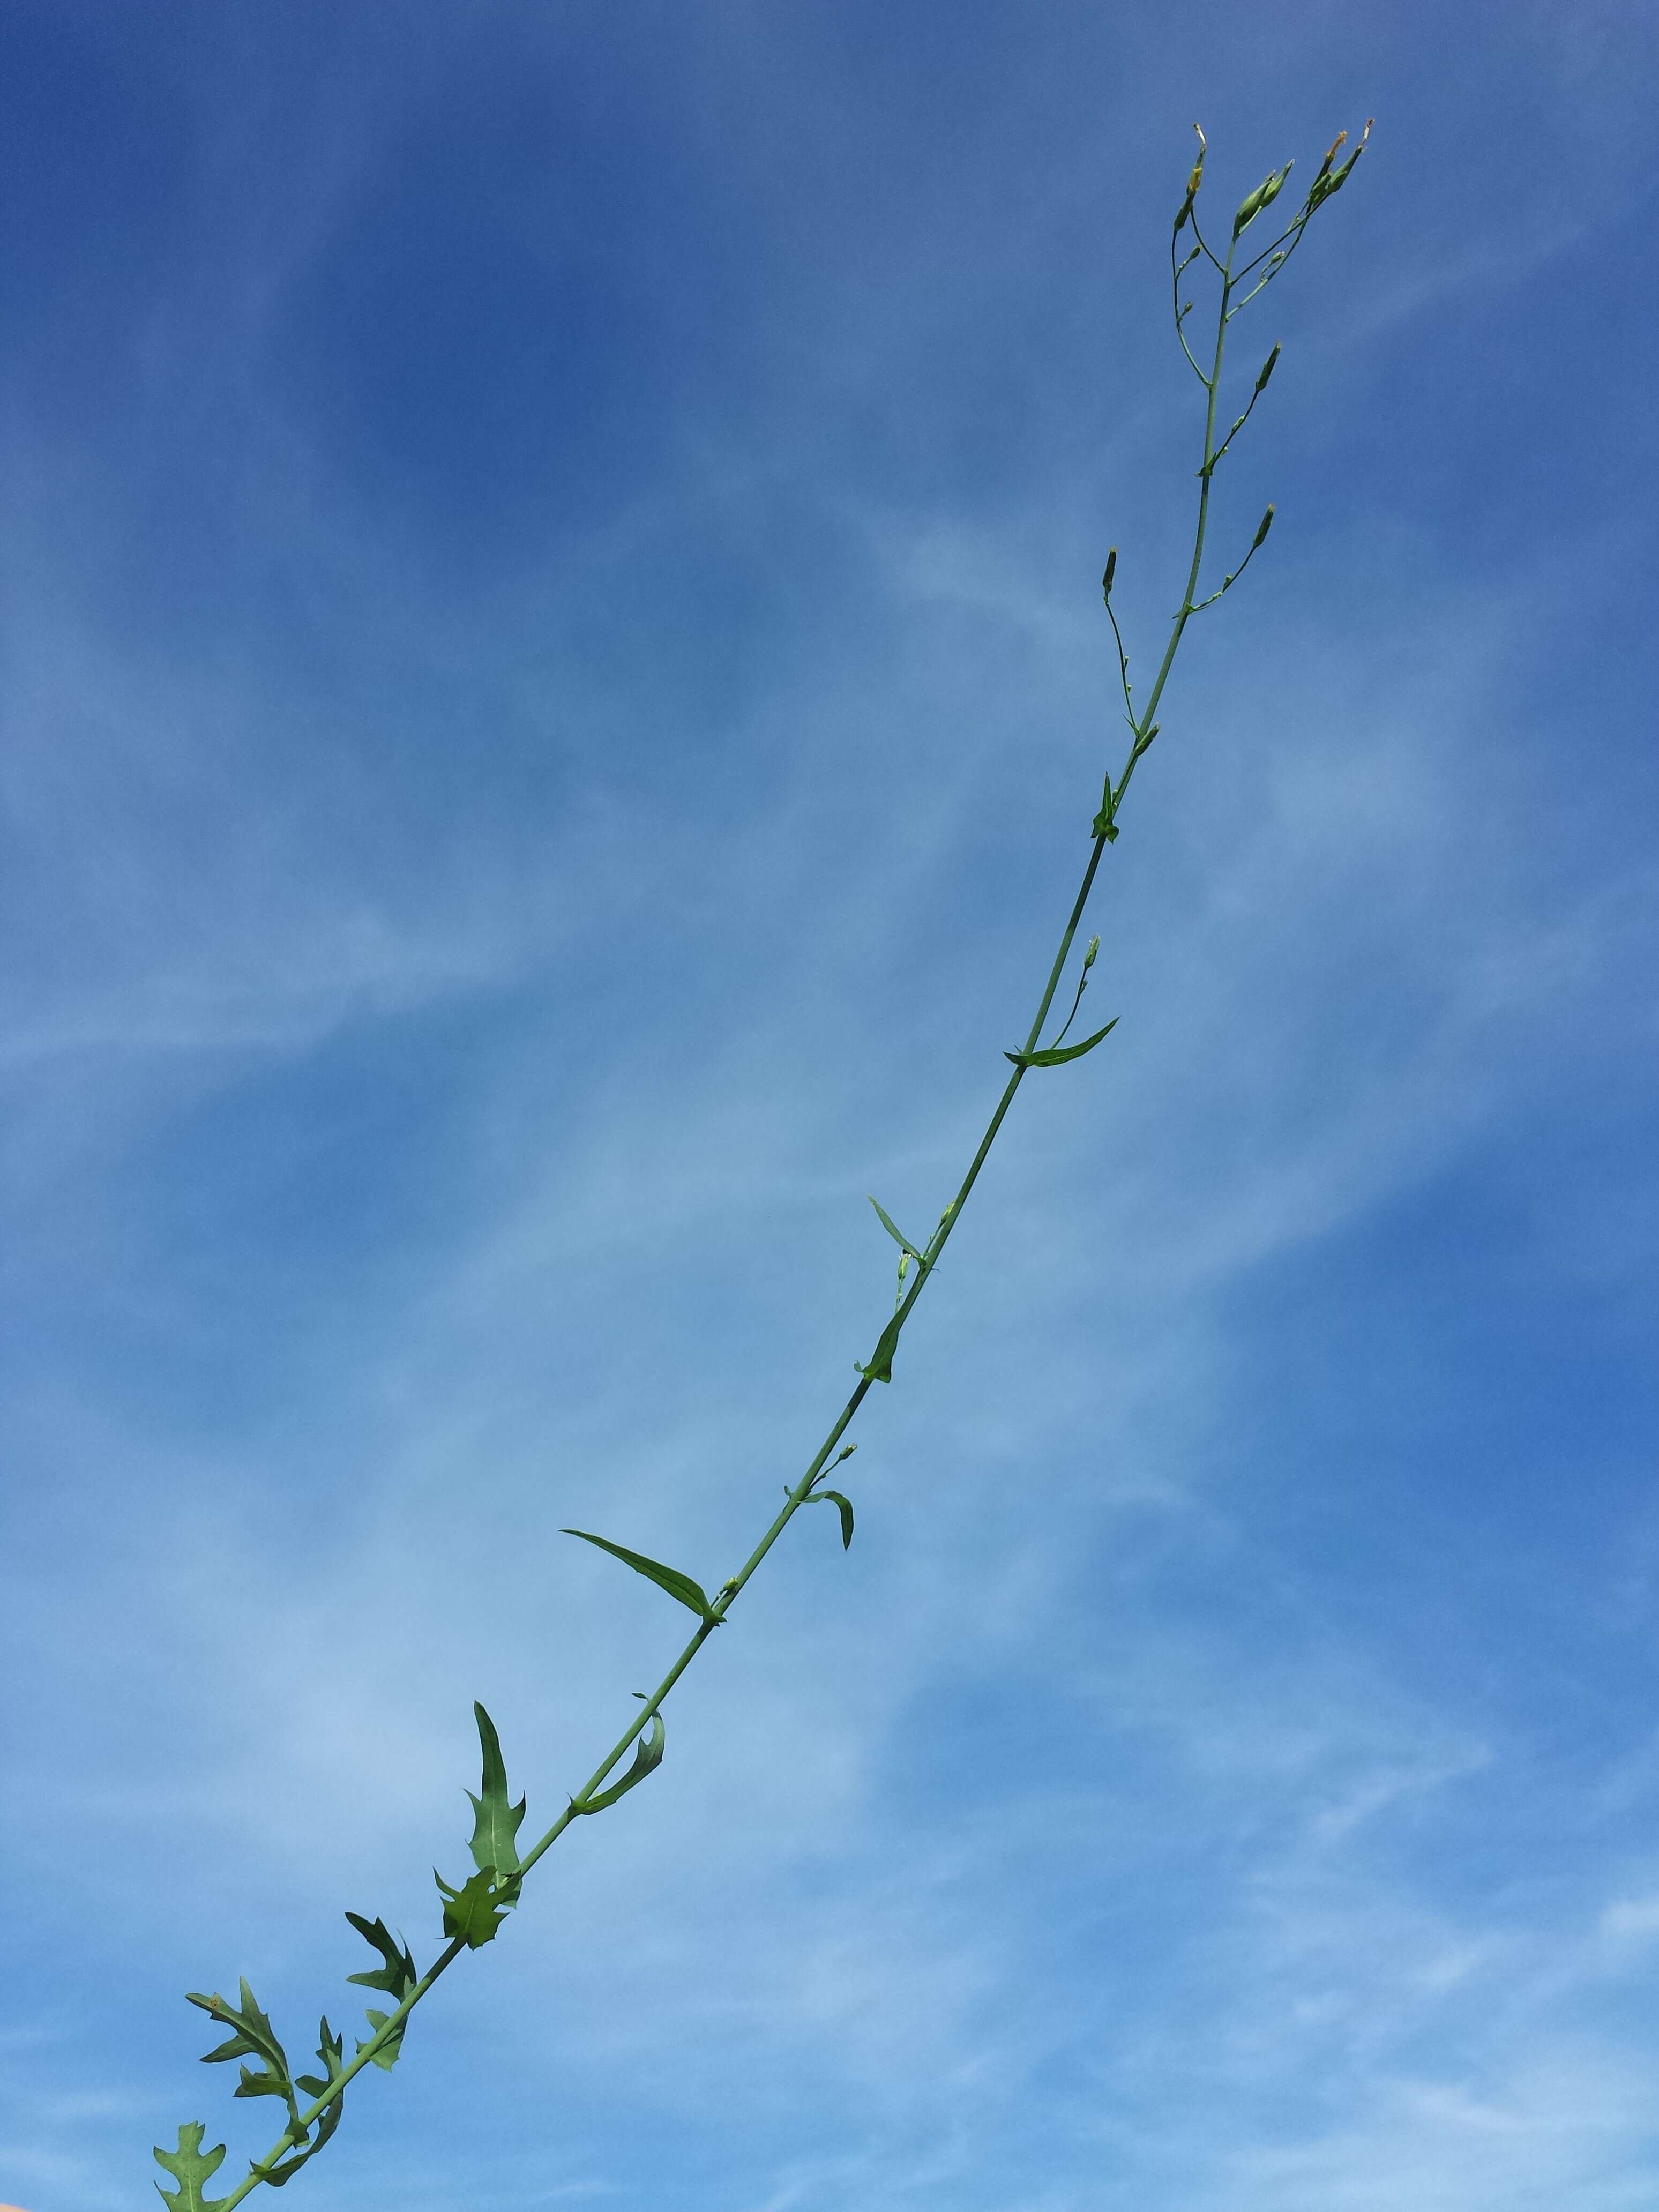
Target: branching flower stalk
(473, 1909)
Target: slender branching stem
(501, 1869)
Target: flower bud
(1091, 956)
(1193, 184)
(1262, 528)
(1264, 196)
(1267, 369)
(1111, 571)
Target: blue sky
(553, 691)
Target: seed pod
(1262, 528)
(1267, 369)
(1111, 570)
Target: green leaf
(648, 1758)
(253, 2038)
(190, 2166)
(495, 1828)
(834, 1497)
(880, 1369)
(330, 2050)
(895, 1231)
(475, 1910)
(399, 1975)
(1056, 1055)
(669, 1578)
(388, 2053)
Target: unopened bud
(1090, 956)
(1262, 528)
(1267, 369)
(1264, 195)
(1111, 571)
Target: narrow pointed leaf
(880, 1369)
(191, 2166)
(678, 1585)
(648, 1758)
(475, 1910)
(495, 1828)
(836, 1499)
(1056, 1055)
(894, 1230)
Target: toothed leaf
(648, 1757)
(671, 1579)
(836, 1499)
(1057, 1055)
(330, 2050)
(495, 1828)
(387, 2055)
(190, 2166)
(895, 1231)
(325, 2122)
(254, 2037)
(475, 1910)
(398, 1977)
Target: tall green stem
(1141, 726)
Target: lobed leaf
(254, 2037)
(190, 2166)
(386, 2057)
(397, 1977)
(671, 1579)
(496, 1823)
(330, 2050)
(475, 1910)
(1056, 1055)
(648, 1758)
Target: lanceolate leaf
(648, 1758)
(189, 2166)
(669, 1578)
(894, 1230)
(495, 1831)
(475, 1910)
(1057, 1055)
(834, 1497)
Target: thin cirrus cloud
(553, 691)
